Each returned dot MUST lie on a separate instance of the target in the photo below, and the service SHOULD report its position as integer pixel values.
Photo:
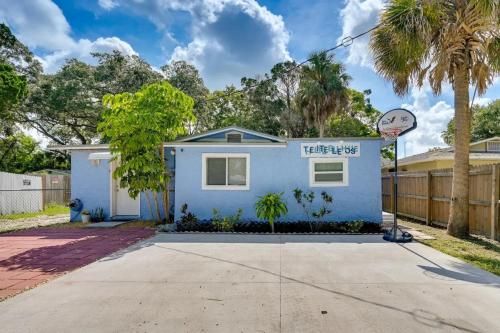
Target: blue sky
(225, 40)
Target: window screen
(226, 171)
(328, 172)
(216, 171)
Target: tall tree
(229, 107)
(453, 40)
(16, 54)
(485, 123)
(266, 105)
(137, 125)
(66, 106)
(286, 77)
(323, 90)
(359, 119)
(20, 153)
(187, 79)
(18, 68)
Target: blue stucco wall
(281, 170)
(89, 183)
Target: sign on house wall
(330, 149)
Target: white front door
(122, 203)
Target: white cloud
(229, 39)
(107, 4)
(41, 24)
(431, 121)
(359, 16)
(38, 23)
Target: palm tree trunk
(458, 223)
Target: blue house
(231, 167)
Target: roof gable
(220, 135)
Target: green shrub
(270, 207)
(226, 223)
(187, 218)
(306, 199)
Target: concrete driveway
(252, 283)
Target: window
(226, 171)
(326, 172)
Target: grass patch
(49, 211)
(477, 251)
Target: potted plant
(85, 216)
(270, 207)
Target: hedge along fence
(426, 196)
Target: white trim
(232, 128)
(345, 172)
(225, 145)
(206, 187)
(100, 156)
(112, 206)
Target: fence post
(391, 194)
(44, 191)
(428, 215)
(494, 201)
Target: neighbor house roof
(444, 154)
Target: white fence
(20, 193)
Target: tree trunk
(321, 128)
(458, 223)
(166, 192)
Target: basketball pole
(395, 190)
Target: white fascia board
(225, 145)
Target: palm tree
(323, 90)
(438, 40)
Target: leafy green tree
(13, 89)
(187, 79)
(457, 41)
(20, 153)
(17, 55)
(286, 77)
(485, 123)
(66, 106)
(323, 90)
(117, 73)
(359, 118)
(266, 105)
(137, 125)
(229, 107)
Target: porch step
(124, 218)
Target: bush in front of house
(271, 207)
(226, 223)
(306, 199)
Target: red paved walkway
(30, 257)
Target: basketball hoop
(390, 126)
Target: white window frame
(205, 186)
(345, 172)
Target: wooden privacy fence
(56, 189)
(425, 196)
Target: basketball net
(390, 134)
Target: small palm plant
(270, 207)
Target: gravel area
(32, 222)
